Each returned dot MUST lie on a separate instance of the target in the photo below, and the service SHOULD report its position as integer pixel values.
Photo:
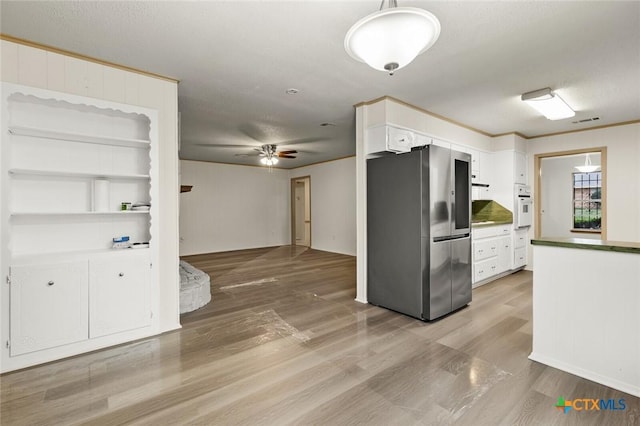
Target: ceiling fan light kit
(269, 161)
(388, 40)
(548, 103)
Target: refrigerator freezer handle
(450, 237)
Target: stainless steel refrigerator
(419, 231)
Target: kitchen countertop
(488, 223)
(489, 213)
(588, 244)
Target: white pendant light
(548, 104)
(588, 167)
(390, 39)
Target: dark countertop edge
(486, 225)
(587, 244)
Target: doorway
(301, 211)
(569, 202)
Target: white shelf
(77, 137)
(57, 256)
(113, 213)
(52, 173)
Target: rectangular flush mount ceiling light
(548, 104)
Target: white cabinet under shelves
(49, 306)
(119, 293)
(68, 163)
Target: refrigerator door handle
(450, 237)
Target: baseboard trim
(630, 388)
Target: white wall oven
(524, 206)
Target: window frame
(588, 200)
(537, 184)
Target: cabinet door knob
(121, 274)
(50, 283)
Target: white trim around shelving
(77, 137)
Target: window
(587, 201)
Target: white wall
(333, 205)
(238, 207)
(623, 172)
(556, 201)
(48, 70)
(232, 207)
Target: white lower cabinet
(505, 254)
(63, 303)
(520, 245)
(49, 306)
(520, 257)
(492, 251)
(485, 249)
(119, 295)
(484, 269)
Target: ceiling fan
(270, 154)
(268, 151)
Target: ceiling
(236, 59)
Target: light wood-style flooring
(284, 342)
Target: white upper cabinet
(520, 168)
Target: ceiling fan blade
(288, 151)
(285, 156)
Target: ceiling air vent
(586, 120)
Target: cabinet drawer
(492, 231)
(520, 257)
(48, 306)
(484, 249)
(485, 269)
(520, 239)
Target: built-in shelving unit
(68, 164)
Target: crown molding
(24, 42)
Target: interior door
(301, 211)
